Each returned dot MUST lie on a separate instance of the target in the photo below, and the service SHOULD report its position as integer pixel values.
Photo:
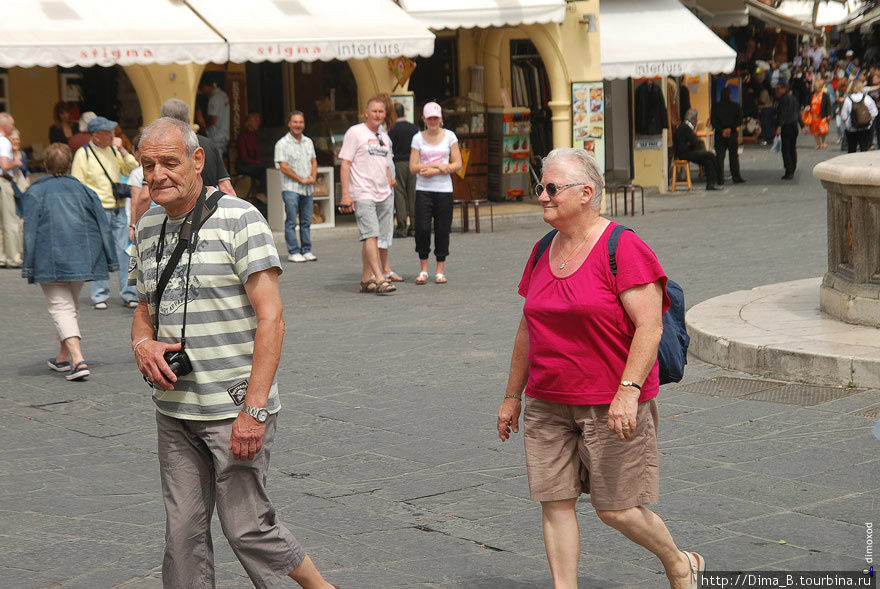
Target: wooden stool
(465, 225)
(631, 189)
(677, 166)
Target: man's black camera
(178, 362)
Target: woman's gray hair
(157, 130)
(577, 167)
(691, 115)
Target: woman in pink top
(585, 356)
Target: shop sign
(342, 50)
(588, 119)
(650, 143)
(114, 53)
(658, 68)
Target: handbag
(807, 117)
(120, 190)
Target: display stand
(509, 152)
(467, 119)
(324, 198)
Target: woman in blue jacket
(66, 243)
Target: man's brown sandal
(369, 286)
(384, 287)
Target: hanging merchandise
(650, 109)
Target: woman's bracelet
(139, 342)
(517, 397)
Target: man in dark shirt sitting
(727, 116)
(689, 147)
(401, 135)
(248, 161)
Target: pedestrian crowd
(828, 86)
(780, 99)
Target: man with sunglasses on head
(365, 176)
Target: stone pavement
(387, 466)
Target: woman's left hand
(622, 412)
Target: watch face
(262, 415)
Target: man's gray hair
(176, 109)
(5, 117)
(578, 166)
(691, 115)
(157, 130)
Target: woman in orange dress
(820, 110)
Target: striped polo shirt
(221, 324)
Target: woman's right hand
(508, 417)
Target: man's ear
(199, 159)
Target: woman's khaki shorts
(570, 450)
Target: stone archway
(492, 50)
(155, 84)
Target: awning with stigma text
(104, 32)
(311, 30)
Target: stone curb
(798, 343)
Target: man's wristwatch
(629, 383)
(260, 414)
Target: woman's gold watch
(629, 383)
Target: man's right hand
(150, 358)
(346, 202)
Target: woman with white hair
(585, 355)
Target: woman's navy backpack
(672, 352)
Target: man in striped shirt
(216, 424)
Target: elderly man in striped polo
(216, 423)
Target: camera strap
(187, 239)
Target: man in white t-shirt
(10, 232)
(365, 175)
(296, 159)
(217, 117)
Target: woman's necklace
(565, 259)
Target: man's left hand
(247, 437)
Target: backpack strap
(543, 245)
(612, 246)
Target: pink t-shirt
(370, 156)
(579, 332)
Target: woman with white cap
(434, 156)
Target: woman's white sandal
(698, 565)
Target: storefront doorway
(435, 78)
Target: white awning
(827, 13)
(719, 13)
(104, 32)
(863, 22)
(776, 19)
(311, 30)
(466, 14)
(646, 38)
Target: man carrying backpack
(857, 113)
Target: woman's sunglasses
(552, 189)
